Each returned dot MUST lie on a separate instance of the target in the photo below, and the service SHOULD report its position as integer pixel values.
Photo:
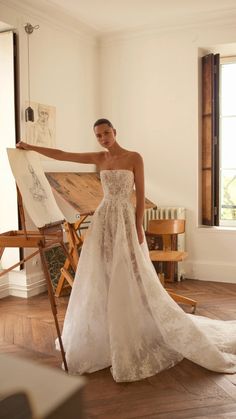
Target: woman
(119, 314)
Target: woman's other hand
(140, 234)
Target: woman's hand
(140, 234)
(23, 146)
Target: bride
(119, 315)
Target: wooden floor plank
(185, 391)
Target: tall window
(218, 141)
(227, 160)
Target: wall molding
(4, 286)
(223, 18)
(53, 15)
(18, 284)
(61, 18)
(210, 271)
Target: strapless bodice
(117, 184)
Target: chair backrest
(163, 227)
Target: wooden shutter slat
(207, 144)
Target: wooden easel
(75, 243)
(44, 238)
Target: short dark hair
(102, 121)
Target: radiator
(166, 213)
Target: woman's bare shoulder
(101, 155)
(134, 154)
(136, 158)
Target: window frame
(223, 223)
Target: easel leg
(69, 256)
(71, 261)
(53, 304)
(1, 251)
(61, 279)
(72, 254)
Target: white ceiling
(118, 15)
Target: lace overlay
(119, 314)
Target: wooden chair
(168, 231)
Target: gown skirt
(120, 316)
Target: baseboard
(210, 271)
(17, 284)
(4, 286)
(37, 284)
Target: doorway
(8, 196)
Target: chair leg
(177, 297)
(184, 300)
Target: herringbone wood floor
(185, 391)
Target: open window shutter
(216, 139)
(210, 139)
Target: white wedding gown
(119, 314)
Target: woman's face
(106, 135)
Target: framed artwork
(42, 131)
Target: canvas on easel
(35, 190)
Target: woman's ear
(114, 130)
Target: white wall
(64, 63)
(150, 81)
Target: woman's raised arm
(53, 153)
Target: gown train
(120, 315)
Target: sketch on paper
(34, 187)
(41, 132)
(36, 190)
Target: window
(218, 141)
(227, 159)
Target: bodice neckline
(116, 170)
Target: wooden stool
(169, 229)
